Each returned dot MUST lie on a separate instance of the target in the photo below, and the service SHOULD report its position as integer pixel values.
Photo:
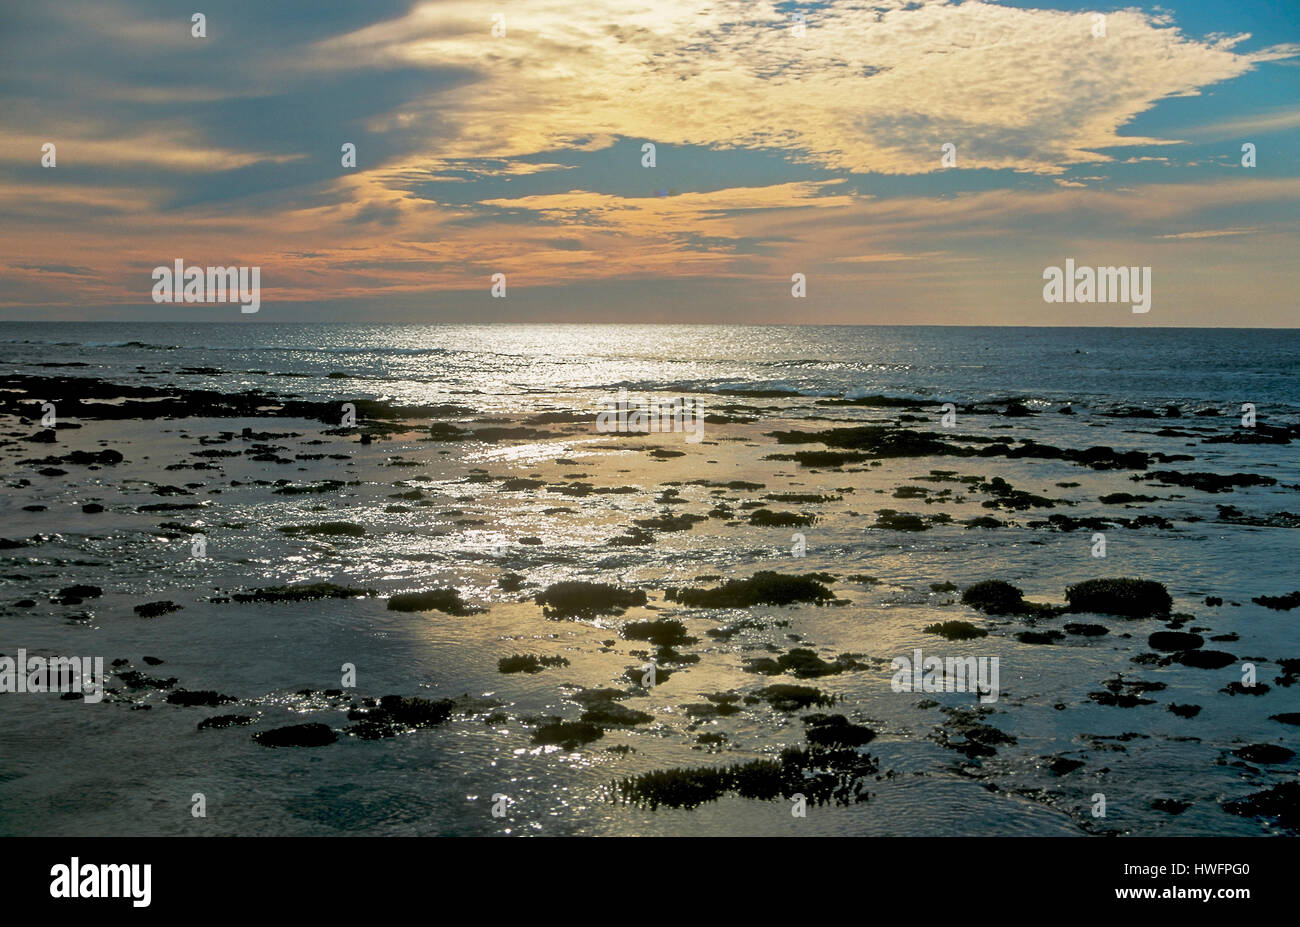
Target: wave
(292, 349)
(410, 352)
(757, 388)
(94, 344)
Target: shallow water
(122, 768)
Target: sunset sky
(776, 154)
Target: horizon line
(683, 324)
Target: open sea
(506, 364)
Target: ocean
(1146, 367)
(391, 459)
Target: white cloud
(874, 87)
(1212, 233)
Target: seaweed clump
(327, 529)
(397, 714)
(155, 609)
(301, 593)
(1205, 659)
(222, 721)
(1040, 637)
(669, 522)
(446, 600)
(663, 632)
(199, 698)
(825, 730)
(763, 588)
(788, 697)
(606, 712)
(1281, 603)
(528, 663)
(1121, 693)
(820, 774)
(1171, 641)
(876, 440)
(576, 599)
(801, 662)
(1264, 753)
(1281, 803)
(313, 734)
(767, 518)
(955, 630)
(996, 597)
(1127, 598)
(891, 520)
(977, 738)
(567, 734)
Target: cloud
(1259, 124)
(868, 89)
(1211, 233)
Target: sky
(497, 137)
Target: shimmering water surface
(132, 764)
